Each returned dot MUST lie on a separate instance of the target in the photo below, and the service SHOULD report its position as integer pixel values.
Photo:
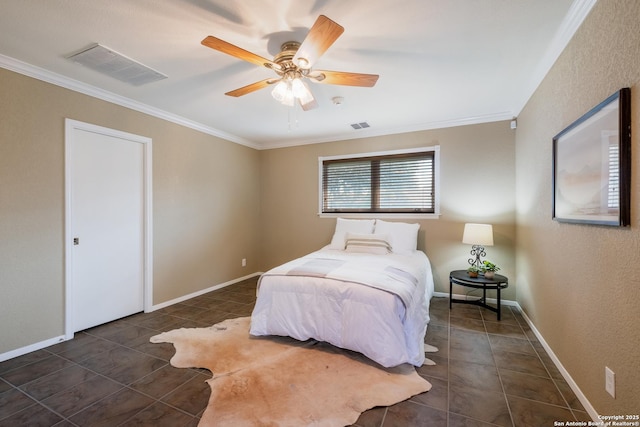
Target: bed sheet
(384, 326)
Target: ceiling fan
(293, 65)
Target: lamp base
(479, 252)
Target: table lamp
(478, 235)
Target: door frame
(147, 269)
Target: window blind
(401, 183)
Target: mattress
(377, 305)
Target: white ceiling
(441, 62)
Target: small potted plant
(473, 271)
(489, 269)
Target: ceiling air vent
(361, 125)
(116, 65)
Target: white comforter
(377, 305)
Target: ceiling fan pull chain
(292, 117)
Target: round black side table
(461, 277)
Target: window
(394, 182)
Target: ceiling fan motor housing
(285, 60)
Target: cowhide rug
(278, 381)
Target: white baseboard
(55, 340)
(579, 394)
(565, 374)
(201, 292)
(32, 347)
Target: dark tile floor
(486, 373)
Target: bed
(368, 291)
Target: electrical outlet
(244, 262)
(610, 381)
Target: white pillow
(403, 236)
(368, 243)
(344, 226)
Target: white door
(106, 220)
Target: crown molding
(38, 73)
(576, 15)
(370, 132)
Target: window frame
(435, 150)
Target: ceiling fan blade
(343, 78)
(233, 50)
(321, 36)
(251, 88)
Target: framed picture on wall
(592, 165)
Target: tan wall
(205, 213)
(477, 185)
(579, 283)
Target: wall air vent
(361, 125)
(107, 61)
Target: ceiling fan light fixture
(288, 99)
(288, 89)
(279, 92)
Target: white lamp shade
(478, 234)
